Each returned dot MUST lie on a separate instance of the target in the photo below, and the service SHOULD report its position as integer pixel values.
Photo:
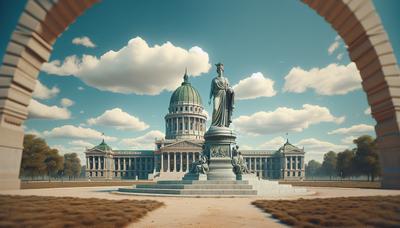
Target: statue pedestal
(219, 142)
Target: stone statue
(238, 162)
(200, 166)
(223, 99)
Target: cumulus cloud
(254, 86)
(65, 102)
(334, 79)
(81, 143)
(284, 119)
(33, 132)
(38, 110)
(118, 118)
(74, 149)
(73, 132)
(43, 92)
(355, 129)
(145, 141)
(84, 41)
(273, 144)
(315, 149)
(136, 68)
(367, 111)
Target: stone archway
(356, 21)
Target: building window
(186, 108)
(288, 165)
(101, 173)
(181, 109)
(288, 174)
(294, 173)
(299, 174)
(191, 109)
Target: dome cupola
(186, 118)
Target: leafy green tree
(329, 164)
(345, 163)
(313, 168)
(72, 165)
(33, 156)
(366, 157)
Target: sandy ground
(202, 212)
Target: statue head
(220, 68)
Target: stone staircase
(194, 187)
(218, 188)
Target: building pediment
(184, 145)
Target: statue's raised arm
(223, 99)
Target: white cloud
(273, 144)
(81, 143)
(348, 140)
(284, 119)
(73, 132)
(118, 118)
(145, 141)
(334, 79)
(43, 92)
(367, 111)
(38, 110)
(84, 41)
(315, 149)
(65, 102)
(81, 112)
(245, 147)
(334, 45)
(254, 86)
(80, 88)
(355, 129)
(340, 56)
(136, 68)
(33, 132)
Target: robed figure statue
(223, 99)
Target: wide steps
(203, 182)
(195, 186)
(190, 191)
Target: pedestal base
(219, 142)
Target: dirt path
(201, 212)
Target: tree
(366, 156)
(329, 164)
(72, 165)
(345, 163)
(33, 156)
(54, 162)
(313, 168)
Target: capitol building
(185, 125)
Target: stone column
(174, 163)
(251, 167)
(187, 162)
(162, 162)
(181, 164)
(169, 162)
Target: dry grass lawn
(373, 211)
(68, 184)
(40, 211)
(336, 184)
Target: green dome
(185, 94)
(103, 146)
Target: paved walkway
(202, 212)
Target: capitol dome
(185, 94)
(186, 118)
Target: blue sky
(282, 40)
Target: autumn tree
(72, 165)
(54, 162)
(38, 159)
